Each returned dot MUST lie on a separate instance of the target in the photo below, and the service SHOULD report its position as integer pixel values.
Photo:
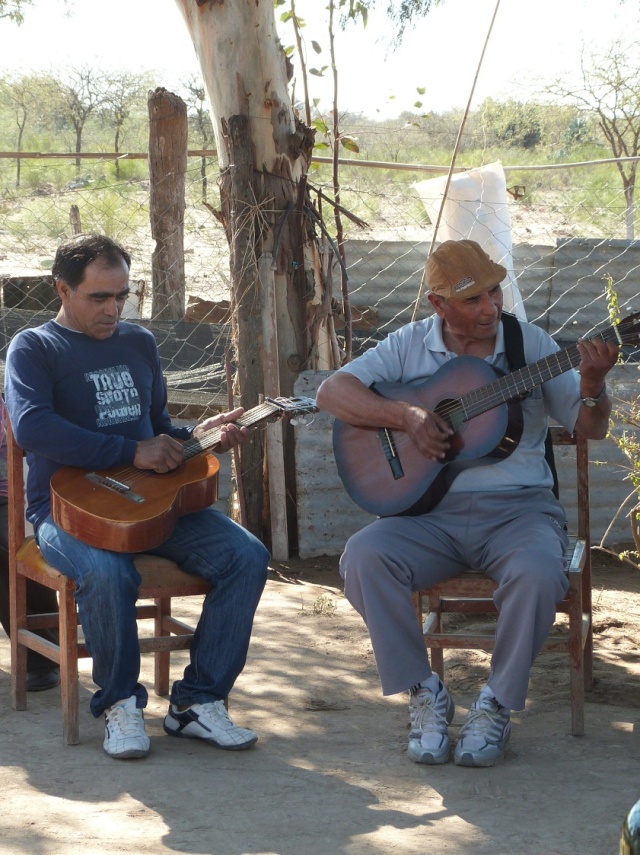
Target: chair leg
(436, 654)
(68, 628)
(161, 657)
(576, 658)
(18, 650)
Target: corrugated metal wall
(564, 292)
(562, 286)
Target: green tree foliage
(609, 92)
(513, 123)
(14, 9)
(402, 13)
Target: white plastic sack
(476, 208)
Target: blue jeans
(207, 544)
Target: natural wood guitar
(124, 509)
(383, 471)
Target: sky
(530, 42)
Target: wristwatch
(592, 402)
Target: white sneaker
(431, 714)
(210, 722)
(484, 734)
(124, 733)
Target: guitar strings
(515, 384)
(192, 447)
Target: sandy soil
(330, 774)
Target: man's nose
(489, 303)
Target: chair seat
(160, 576)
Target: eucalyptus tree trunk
(264, 153)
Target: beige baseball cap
(461, 268)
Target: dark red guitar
(125, 509)
(383, 471)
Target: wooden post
(275, 440)
(167, 171)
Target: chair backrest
(561, 437)
(16, 490)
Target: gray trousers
(517, 538)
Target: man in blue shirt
(87, 391)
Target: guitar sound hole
(452, 412)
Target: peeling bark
(264, 153)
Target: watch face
(589, 402)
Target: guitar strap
(514, 347)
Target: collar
(435, 342)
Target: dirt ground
(330, 774)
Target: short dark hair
(74, 255)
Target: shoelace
(476, 723)
(435, 718)
(217, 709)
(127, 721)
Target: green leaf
(421, 90)
(320, 125)
(350, 144)
(417, 104)
(318, 72)
(316, 47)
(322, 145)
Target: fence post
(167, 171)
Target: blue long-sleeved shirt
(78, 401)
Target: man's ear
(437, 303)
(63, 288)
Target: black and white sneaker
(124, 735)
(210, 722)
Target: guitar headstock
(294, 408)
(627, 331)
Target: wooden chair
(162, 580)
(471, 593)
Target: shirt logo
(117, 399)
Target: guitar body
(124, 509)
(107, 519)
(484, 439)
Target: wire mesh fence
(565, 243)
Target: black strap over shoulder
(514, 347)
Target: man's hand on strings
(428, 431)
(160, 454)
(231, 434)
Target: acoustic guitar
(383, 471)
(124, 509)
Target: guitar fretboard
(525, 379)
(212, 437)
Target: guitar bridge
(389, 448)
(116, 486)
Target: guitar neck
(525, 379)
(211, 438)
